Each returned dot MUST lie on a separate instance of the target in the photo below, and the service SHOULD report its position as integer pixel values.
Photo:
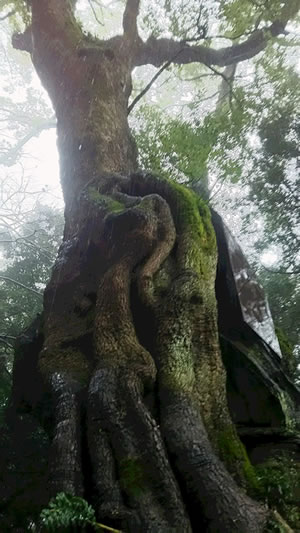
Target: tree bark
(130, 356)
(131, 353)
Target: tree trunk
(131, 360)
(130, 355)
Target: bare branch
(90, 2)
(158, 51)
(130, 19)
(10, 337)
(148, 86)
(10, 280)
(9, 157)
(25, 240)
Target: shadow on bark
(132, 385)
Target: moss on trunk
(131, 348)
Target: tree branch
(9, 14)
(95, 13)
(23, 41)
(130, 19)
(9, 158)
(158, 51)
(4, 336)
(227, 83)
(25, 240)
(148, 86)
(5, 278)
(52, 21)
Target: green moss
(197, 248)
(287, 409)
(289, 360)
(103, 201)
(234, 455)
(132, 476)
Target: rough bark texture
(131, 346)
(128, 355)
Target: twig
(102, 526)
(3, 341)
(149, 85)
(226, 79)
(95, 13)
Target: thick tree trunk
(131, 361)
(130, 355)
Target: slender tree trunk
(130, 356)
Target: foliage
(274, 188)
(279, 479)
(187, 19)
(23, 466)
(19, 10)
(66, 511)
(28, 246)
(28, 256)
(284, 298)
(172, 146)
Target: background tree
(135, 247)
(30, 233)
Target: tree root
(153, 469)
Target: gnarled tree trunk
(130, 356)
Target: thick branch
(9, 14)
(158, 51)
(226, 84)
(23, 41)
(130, 19)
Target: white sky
(44, 163)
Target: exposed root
(145, 465)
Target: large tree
(127, 354)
